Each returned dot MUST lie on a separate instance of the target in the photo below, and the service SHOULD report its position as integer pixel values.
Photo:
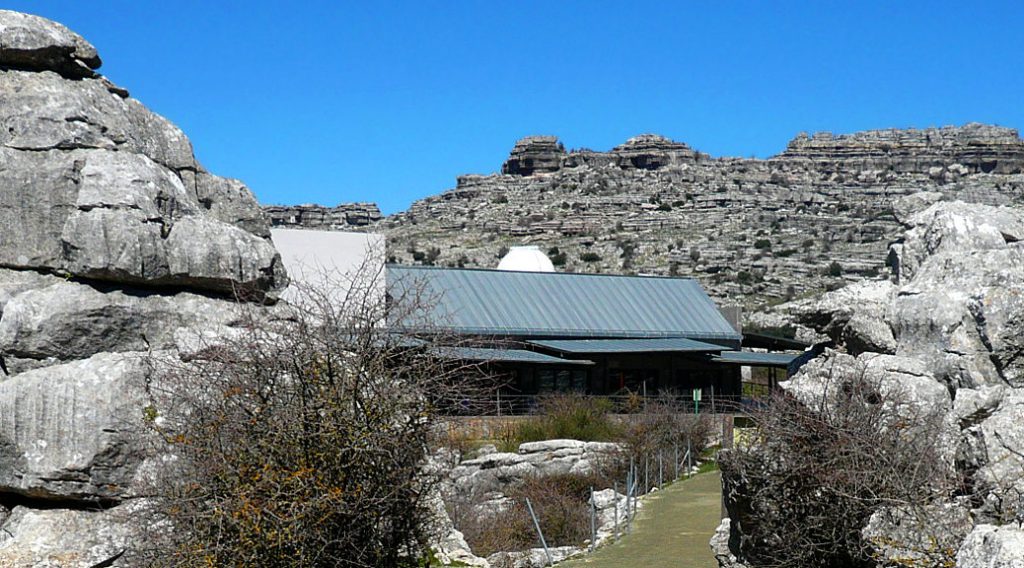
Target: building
(541, 331)
(546, 332)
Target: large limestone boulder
(990, 546)
(68, 320)
(493, 472)
(31, 42)
(96, 185)
(956, 315)
(55, 538)
(117, 249)
(960, 302)
(74, 432)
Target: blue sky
(328, 102)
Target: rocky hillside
(115, 242)
(947, 334)
(344, 217)
(818, 215)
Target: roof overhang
(650, 345)
(492, 355)
(752, 359)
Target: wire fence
(499, 404)
(645, 474)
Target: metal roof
(673, 344)
(488, 354)
(756, 359)
(559, 304)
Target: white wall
(331, 260)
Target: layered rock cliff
(115, 240)
(818, 215)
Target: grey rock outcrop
(71, 431)
(990, 546)
(948, 338)
(977, 148)
(533, 155)
(97, 186)
(920, 537)
(343, 217)
(56, 538)
(117, 247)
(35, 43)
(66, 320)
(494, 471)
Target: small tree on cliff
(302, 436)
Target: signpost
(696, 401)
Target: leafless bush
(561, 503)
(803, 486)
(302, 435)
(663, 426)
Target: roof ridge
(481, 269)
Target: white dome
(526, 259)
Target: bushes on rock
(561, 503)
(801, 489)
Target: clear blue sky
(329, 101)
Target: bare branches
(802, 488)
(301, 434)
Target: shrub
(570, 416)
(665, 423)
(590, 256)
(802, 486)
(834, 269)
(300, 439)
(763, 244)
(561, 503)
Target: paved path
(673, 530)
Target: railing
(499, 404)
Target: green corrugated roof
(673, 344)
(546, 304)
(756, 359)
(502, 355)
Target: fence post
(675, 446)
(499, 403)
(540, 533)
(626, 516)
(689, 456)
(615, 525)
(593, 520)
(647, 474)
(712, 400)
(661, 469)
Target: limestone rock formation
(990, 546)
(340, 218)
(493, 471)
(115, 243)
(38, 44)
(947, 334)
(98, 186)
(976, 148)
(533, 155)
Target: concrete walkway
(672, 530)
